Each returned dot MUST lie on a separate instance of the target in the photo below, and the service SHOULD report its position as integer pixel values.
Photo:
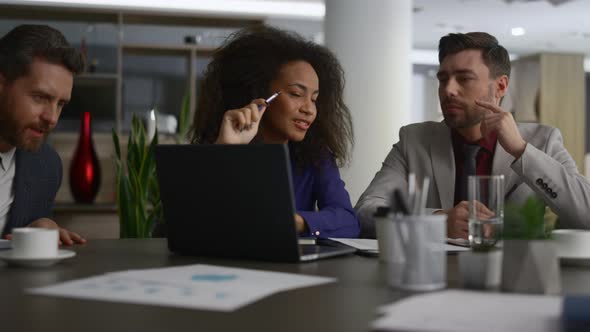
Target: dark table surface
(347, 305)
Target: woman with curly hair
(309, 115)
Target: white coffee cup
(30, 242)
(572, 243)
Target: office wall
(587, 93)
(425, 103)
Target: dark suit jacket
(36, 181)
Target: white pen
(269, 99)
(266, 102)
(412, 192)
(424, 194)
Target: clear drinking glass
(486, 210)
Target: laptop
(233, 201)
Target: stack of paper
(457, 311)
(194, 286)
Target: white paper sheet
(194, 286)
(371, 245)
(360, 244)
(458, 311)
(458, 242)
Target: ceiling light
(518, 31)
(243, 8)
(553, 2)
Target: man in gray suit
(473, 77)
(37, 67)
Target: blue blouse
(323, 186)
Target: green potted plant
(138, 193)
(530, 263)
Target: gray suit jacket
(426, 150)
(36, 181)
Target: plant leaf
(124, 204)
(148, 164)
(117, 145)
(184, 119)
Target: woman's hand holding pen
(240, 126)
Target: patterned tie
(469, 167)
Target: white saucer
(8, 257)
(574, 261)
(5, 244)
(573, 246)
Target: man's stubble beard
(10, 134)
(473, 113)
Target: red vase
(85, 169)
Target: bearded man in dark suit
(37, 68)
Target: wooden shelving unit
(96, 76)
(65, 142)
(159, 49)
(120, 19)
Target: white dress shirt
(7, 168)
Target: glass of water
(486, 210)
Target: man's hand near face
(495, 119)
(66, 237)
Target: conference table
(346, 305)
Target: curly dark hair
(242, 69)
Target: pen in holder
(417, 195)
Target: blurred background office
(149, 55)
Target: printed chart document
(463, 311)
(371, 245)
(198, 286)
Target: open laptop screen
(228, 200)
